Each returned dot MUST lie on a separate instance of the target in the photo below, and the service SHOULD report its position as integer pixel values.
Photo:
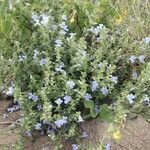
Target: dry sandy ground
(136, 135)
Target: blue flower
(64, 17)
(42, 62)
(132, 59)
(58, 101)
(84, 135)
(38, 126)
(130, 98)
(10, 91)
(147, 40)
(94, 86)
(80, 119)
(22, 57)
(28, 133)
(35, 98)
(62, 32)
(146, 100)
(58, 43)
(36, 19)
(35, 53)
(74, 147)
(98, 29)
(61, 122)
(141, 58)
(45, 19)
(87, 96)
(100, 65)
(59, 68)
(67, 99)
(70, 84)
(39, 107)
(72, 34)
(134, 75)
(32, 97)
(63, 26)
(114, 79)
(104, 90)
(108, 146)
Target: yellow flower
(72, 16)
(119, 20)
(117, 135)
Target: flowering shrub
(65, 71)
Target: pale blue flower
(70, 84)
(108, 146)
(38, 126)
(35, 98)
(84, 135)
(62, 32)
(80, 119)
(28, 133)
(58, 43)
(58, 101)
(104, 90)
(36, 19)
(35, 53)
(141, 58)
(130, 98)
(97, 30)
(54, 27)
(100, 65)
(72, 34)
(61, 122)
(42, 62)
(114, 79)
(132, 59)
(74, 147)
(39, 107)
(67, 99)
(45, 19)
(32, 97)
(146, 100)
(10, 91)
(63, 26)
(11, 109)
(94, 86)
(59, 68)
(100, 26)
(5, 115)
(134, 75)
(22, 57)
(147, 40)
(64, 17)
(87, 96)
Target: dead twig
(6, 123)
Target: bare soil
(136, 135)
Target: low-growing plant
(63, 76)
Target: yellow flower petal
(72, 16)
(117, 135)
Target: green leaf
(105, 114)
(4, 8)
(88, 104)
(5, 25)
(91, 106)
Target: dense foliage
(68, 64)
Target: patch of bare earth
(136, 135)
(8, 136)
